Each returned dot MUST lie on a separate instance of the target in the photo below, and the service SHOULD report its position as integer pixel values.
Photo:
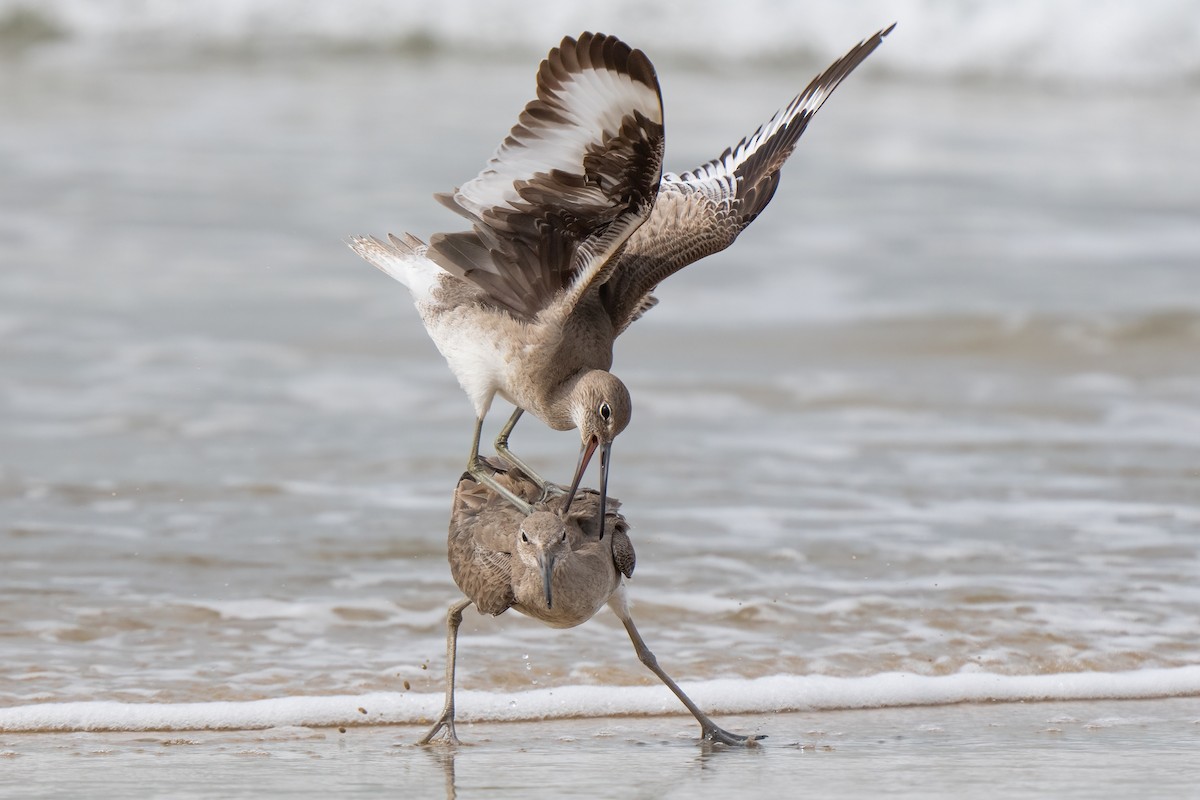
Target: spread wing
(701, 212)
(576, 176)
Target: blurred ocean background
(937, 412)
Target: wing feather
(574, 178)
(702, 211)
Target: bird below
(573, 226)
(557, 569)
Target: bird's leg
(446, 720)
(709, 730)
(502, 450)
(480, 472)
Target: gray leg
(709, 730)
(446, 720)
(480, 472)
(511, 457)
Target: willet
(558, 570)
(574, 225)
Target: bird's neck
(559, 401)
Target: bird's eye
(564, 536)
(605, 412)
(524, 538)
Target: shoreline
(783, 693)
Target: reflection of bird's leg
(446, 720)
(511, 457)
(480, 472)
(445, 757)
(710, 731)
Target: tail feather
(403, 258)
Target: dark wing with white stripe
(701, 212)
(575, 177)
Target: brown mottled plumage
(486, 552)
(501, 559)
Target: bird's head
(542, 541)
(600, 409)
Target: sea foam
(728, 696)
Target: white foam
(730, 696)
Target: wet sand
(1069, 749)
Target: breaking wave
(1073, 41)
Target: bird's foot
(511, 458)
(716, 735)
(482, 473)
(445, 723)
(550, 490)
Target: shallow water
(935, 413)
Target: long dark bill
(548, 578)
(605, 453)
(585, 455)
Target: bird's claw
(550, 490)
(717, 735)
(444, 724)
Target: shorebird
(558, 569)
(573, 226)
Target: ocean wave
(1071, 41)
(867, 329)
(727, 696)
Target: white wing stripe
(593, 102)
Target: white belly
(477, 353)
